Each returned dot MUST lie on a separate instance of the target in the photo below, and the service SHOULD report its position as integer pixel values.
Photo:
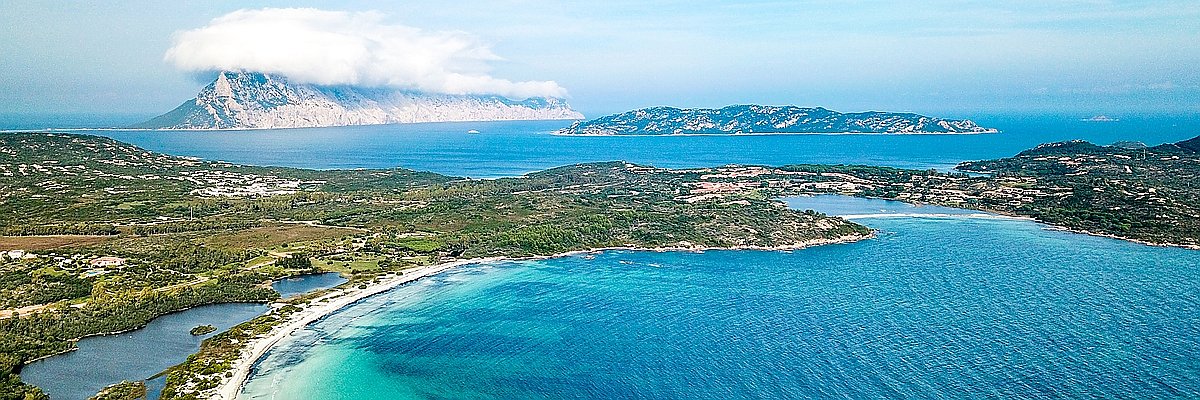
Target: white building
(108, 262)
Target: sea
(938, 306)
(514, 148)
(942, 303)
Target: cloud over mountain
(347, 48)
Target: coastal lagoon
(139, 354)
(936, 306)
(518, 147)
(298, 285)
(135, 355)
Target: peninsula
(105, 236)
(758, 119)
(101, 236)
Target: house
(108, 262)
(93, 273)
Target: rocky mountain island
(249, 100)
(747, 119)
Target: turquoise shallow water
(935, 307)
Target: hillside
(748, 119)
(246, 100)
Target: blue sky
(947, 57)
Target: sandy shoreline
(231, 387)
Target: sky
(951, 58)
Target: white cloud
(347, 48)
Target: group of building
(96, 265)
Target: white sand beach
(231, 387)
(318, 308)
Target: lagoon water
(514, 148)
(136, 355)
(297, 285)
(139, 354)
(937, 306)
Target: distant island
(758, 119)
(251, 100)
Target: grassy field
(50, 242)
(273, 236)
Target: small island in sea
(759, 119)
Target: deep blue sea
(514, 148)
(935, 307)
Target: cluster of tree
(11, 387)
(297, 261)
(122, 391)
(77, 228)
(188, 258)
(201, 330)
(37, 335)
(191, 226)
(23, 284)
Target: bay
(936, 306)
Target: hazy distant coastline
(749, 119)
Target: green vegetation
(38, 281)
(122, 391)
(1147, 194)
(168, 233)
(11, 387)
(202, 371)
(202, 330)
